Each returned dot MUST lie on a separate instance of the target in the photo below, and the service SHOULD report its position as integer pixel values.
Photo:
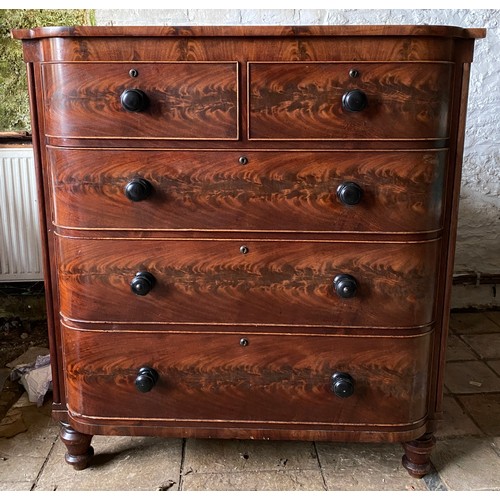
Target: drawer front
(271, 283)
(194, 100)
(269, 378)
(304, 100)
(272, 191)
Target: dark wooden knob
(345, 285)
(134, 100)
(138, 189)
(354, 100)
(349, 193)
(142, 283)
(146, 379)
(342, 385)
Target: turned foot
(79, 450)
(416, 459)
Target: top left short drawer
(174, 100)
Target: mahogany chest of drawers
(249, 231)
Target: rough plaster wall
(478, 241)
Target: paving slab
(228, 455)
(458, 350)
(470, 377)
(455, 421)
(472, 323)
(12, 424)
(485, 410)
(487, 346)
(15, 485)
(24, 452)
(493, 316)
(467, 464)
(494, 364)
(20, 469)
(280, 480)
(120, 463)
(495, 442)
(25, 445)
(33, 431)
(366, 467)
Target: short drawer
(177, 100)
(239, 377)
(252, 190)
(327, 101)
(273, 282)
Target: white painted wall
(478, 245)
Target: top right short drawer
(349, 101)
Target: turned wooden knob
(138, 189)
(354, 100)
(134, 100)
(146, 379)
(349, 193)
(345, 286)
(342, 385)
(142, 283)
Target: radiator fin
(20, 244)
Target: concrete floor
(466, 457)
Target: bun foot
(416, 459)
(79, 450)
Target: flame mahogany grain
(244, 141)
(303, 100)
(287, 191)
(195, 100)
(283, 282)
(283, 378)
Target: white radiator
(20, 246)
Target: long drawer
(379, 191)
(176, 100)
(255, 282)
(258, 378)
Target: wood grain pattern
(186, 100)
(249, 31)
(321, 43)
(274, 191)
(272, 94)
(304, 101)
(212, 377)
(276, 282)
(258, 49)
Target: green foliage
(14, 103)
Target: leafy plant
(14, 102)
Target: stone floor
(467, 455)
